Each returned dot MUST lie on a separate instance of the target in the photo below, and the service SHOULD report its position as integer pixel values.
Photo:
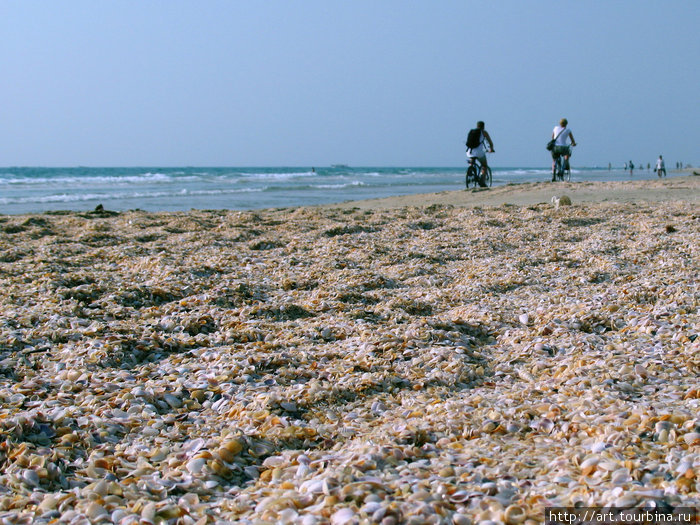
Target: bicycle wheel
(488, 178)
(472, 176)
(559, 168)
(567, 175)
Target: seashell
(692, 438)
(261, 448)
(195, 466)
(69, 439)
(252, 471)
(313, 486)
(380, 515)
(598, 446)
(342, 516)
(620, 477)
(219, 468)
(274, 461)
(608, 465)
(193, 446)
(544, 424)
(234, 446)
(49, 503)
(460, 496)
(371, 507)
(524, 319)
(31, 478)
(514, 514)
(589, 465)
(288, 516)
(489, 426)
(663, 425)
(169, 512)
(199, 395)
(302, 471)
(625, 501)
(188, 501)
(173, 401)
(148, 513)
(95, 511)
(159, 454)
(101, 488)
(310, 519)
(461, 519)
(289, 406)
(513, 428)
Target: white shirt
(660, 164)
(563, 135)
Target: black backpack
(474, 138)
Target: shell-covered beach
(414, 364)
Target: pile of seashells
(327, 366)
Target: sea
(38, 190)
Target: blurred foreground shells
(342, 366)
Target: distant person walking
(660, 166)
(560, 134)
(631, 168)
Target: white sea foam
(81, 181)
(279, 175)
(525, 172)
(81, 197)
(338, 186)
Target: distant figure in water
(660, 166)
(631, 168)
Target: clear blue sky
(362, 82)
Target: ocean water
(36, 190)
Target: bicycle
(474, 176)
(562, 168)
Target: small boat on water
(339, 166)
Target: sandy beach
(675, 188)
(459, 357)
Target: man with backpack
(475, 145)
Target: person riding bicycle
(475, 145)
(559, 135)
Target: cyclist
(560, 134)
(476, 140)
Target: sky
(362, 82)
